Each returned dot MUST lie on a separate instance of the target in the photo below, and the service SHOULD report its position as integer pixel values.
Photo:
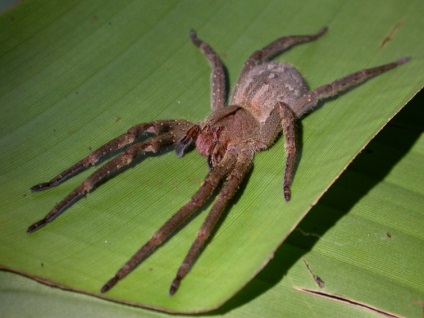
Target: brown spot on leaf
(391, 33)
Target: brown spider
(268, 99)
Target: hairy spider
(268, 99)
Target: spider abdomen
(263, 86)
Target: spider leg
(124, 159)
(210, 183)
(118, 143)
(277, 47)
(307, 102)
(282, 118)
(217, 75)
(230, 187)
(288, 122)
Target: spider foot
(403, 60)
(194, 38)
(174, 286)
(41, 186)
(36, 226)
(110, 283)
(322, 31)
(287, 193)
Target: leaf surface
(74, 75)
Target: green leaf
(76, 74)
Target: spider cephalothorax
(268, 99)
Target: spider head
(236, 127)
(210, 144)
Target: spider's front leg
(276, 47)
(210, 183)
(177, 129)
(230, 187)
(155, 127)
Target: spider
(268, 99)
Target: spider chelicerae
(268, 99)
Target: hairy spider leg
(276, 47)
(288, 123)
(155, 127)
(122, 160)
(307, 102)
(210, 183)
(229, 188)
(217, 75)
(286, 115)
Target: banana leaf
(76, 74)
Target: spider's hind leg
(211, 182)
(278, 46)
(307, 102)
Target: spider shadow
(344, 193)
